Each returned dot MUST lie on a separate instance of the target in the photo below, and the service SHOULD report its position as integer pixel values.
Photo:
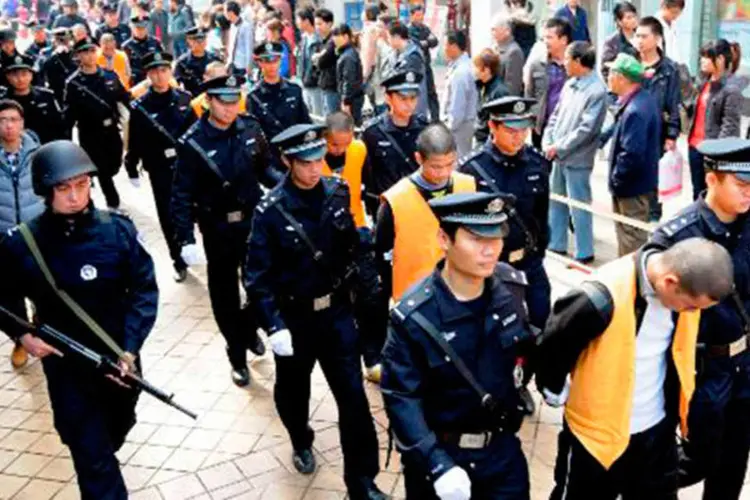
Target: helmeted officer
(305, 258)
(57, 63)
(96, 257)
(157, 120)
(450, 382)
(275, 101)
(91, 102)
(39, 39)
(41, 112)
(112, 25)
(191, 66)
(221, 162)
(138, 45)
(391, 137)
(507, 165)
(719, 420)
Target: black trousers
(330, 338)
(105, 150)
(226, 246)
(161, 186)
(499, 472)
(647, 470)
(93, 416)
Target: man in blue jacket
(635, 152)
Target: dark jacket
(723, 112)
(636, 149)
(579, 21)
(42, 114)
(664, 86)
(306, 70)
(349, 75)
(326, 64)
(615, 44)
(486, 92)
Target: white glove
(191, 254)
(135, 181)
(453, 485)
(281, 343)
(557, 400)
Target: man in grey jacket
(571, 140)
(18, 203)
(511, 55)
(460, 98)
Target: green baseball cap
(628, 66)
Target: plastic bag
(670, 175)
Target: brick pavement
(238, 447)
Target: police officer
(39, 39)
(57, 63)
(275, 101)
(450, 377)
(391, 137)
(719, 419)
(138, 45)
(96, 257)
(112, 25)
(91, 102)
(507, 165)
(221, 162)
(302, 265)
(157, 120)
(190, 67)
(69, 16)
(42, 113)
(8, 50)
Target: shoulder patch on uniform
(509, 274)
(470, 156)
(679, 222)
(531, 150)
(269, 199)
(414, 298)
(373, 121)
(44, 90)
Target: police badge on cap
(231, 81)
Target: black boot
(256, 345)
(366, 489)
(304, 461)
(241, 376)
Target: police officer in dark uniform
(138, 45)
(8, 50)
(41, 112)
(96, 257)
(191, 66)
(69, 16)
(507, 165)
(275, 101)
(57, 63)
(450, 362)
(112, 25)
(91, 102)
(157, 120)
(391, 137)
(719, 419)
(304, 260)
(39, 42)
(221, 162)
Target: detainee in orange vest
(213, 70)
(628, 338)
(110, 59)
(345, 158)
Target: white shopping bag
(670, 175)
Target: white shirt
(651, 347)
(670, 45)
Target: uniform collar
(502, 159)
(645, 289)
(293, 202)
(709, 216)
(450, 308)
(214, 132)
(392, 126)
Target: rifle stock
(69, 345)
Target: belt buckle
(322, 303)
(516, 255)
(474, 441)
(235, 216)
(738, 346)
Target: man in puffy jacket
(18, 203)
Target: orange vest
(601, 393)
(119, 66)
(200, 104)
(142, 87)
(415, 249)
(352, 174)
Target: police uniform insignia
(519, 107)
(88, 273)
(410, 77)
(157, 57)
(494, 206)
(310, 136)
(231, 81)
(19, 59)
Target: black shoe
(586, 260)
(179, 275)
(256, 345)
(368, 491)
(304, 461)
(241, 377)
(527, 401)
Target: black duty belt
(728, 350)
(313, 304)
(468, 440)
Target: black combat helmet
(56, 162)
